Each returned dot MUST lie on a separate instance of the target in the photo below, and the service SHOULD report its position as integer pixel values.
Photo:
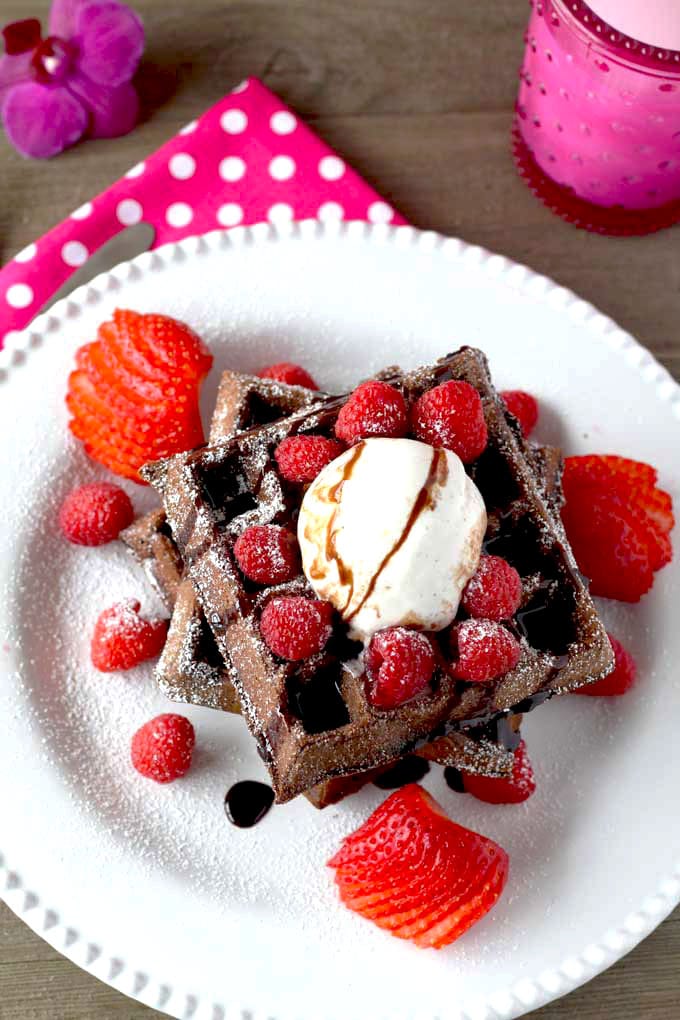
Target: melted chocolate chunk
(227, 491)
(493, 477)
(529, 704)
(454, 779)
(408, 770)
(318, 703)
(247, 802)
(547, 621)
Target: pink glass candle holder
(597, 126)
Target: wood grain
(417, 94)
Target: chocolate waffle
(191, 668)
(311, 720)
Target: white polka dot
(83, 212)
(182, 166)
(136, 171)
(74, 253)
(331, 168)
(232, 168)
(380, 212)
(11, 338)
(234, 122)
(230, 214)
(283, 122)
(189, 128)
(27, 254)
(179, 214)
(330, 212)
(19, 295)
(241, 87)
(129, 212)
(282, 168)
(280, 213)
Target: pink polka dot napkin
(247, 160)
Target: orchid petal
(42, 120)
(114, 112)
(15, 69)
(111, 41)
(64, 18)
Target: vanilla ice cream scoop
(390, 532)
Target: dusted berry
(523, 407)
(373, 409)
(512, 789)
(621, 678)
(290, 374)
(268, 554)
(301, 458)
(122, 639)
(483, 650)
(295, 627)
(162, 748)
(399, 664)
(95, 514)
(416, 874)
(451, 415)
(494, 592)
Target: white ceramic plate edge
(108, 963)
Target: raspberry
(495, 590)
(451, 415)
(484, 650)
(95, 514)
(122, 639)
(295, 627)
(621, 678)
(161, 749)
(290, 374)
(374, 409)
(512, 789)
(523, 407)
(267, 554)
(400, 664)
(301, 458)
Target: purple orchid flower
(76, 81)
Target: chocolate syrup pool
(247, 802)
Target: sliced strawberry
(417, 874)
(106, 372)
(119, 347)
(512, 789)
(599, 467)
(611, 547)
(166, 343)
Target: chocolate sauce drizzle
(247, 802)
(409, 770)
(423, 500)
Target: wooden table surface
(417, 94)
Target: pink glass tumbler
(597, 125)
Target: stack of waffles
(313, 724)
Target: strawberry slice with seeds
(611, 548)
(167, 344)
(598, 468)
(417, 874)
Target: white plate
(148, 886)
